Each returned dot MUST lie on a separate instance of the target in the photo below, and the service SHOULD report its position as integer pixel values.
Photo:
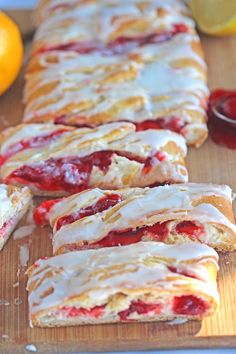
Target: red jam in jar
(222, 117)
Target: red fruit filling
(156, 232)
(41, 212)
(189, 305)
(34, 142)
(96, 311)
(71, 174)
(190, 228)
(140, 308)
(120, 45)
(102, 204)
(175, 124)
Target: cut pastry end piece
(15, 202)
(181, 213)
(57, 160)
(148, 281)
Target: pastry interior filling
(187, 305)
(156, 232)
(102, 204)
(31, 143)
(175, 124)
(72, 174)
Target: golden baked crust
(148, 281)
(181, 213)
(119, 71)
(59, 160)
(14, 204)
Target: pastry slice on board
(55, 160)
(149, 281)
(181, 213)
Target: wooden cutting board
(210, 163)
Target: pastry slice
(149, 281)
(181, 213)
(153, 86)
(59, 160)
(14, 202)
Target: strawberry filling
(189, 305)
(41, 212)
(102, 204)
(156, 232)
(175, 124)
(72, 174)
(139, 307)
(34, 142)
(120, 45)
(71, 311)
(190, 228)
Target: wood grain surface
(210, 163)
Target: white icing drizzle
(31, 348)
(155, 76)
(49, 7)
(24, 255)
(152, 81)
(6, 203)
(83, 142)
(13, 135)
(5, 336)
(23, 231)
(105, 21)
(144, 207)
(4, 302)
(127, 269)
(177, 321)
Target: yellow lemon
(216, 17)
(11, 51)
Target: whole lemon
(11, 51)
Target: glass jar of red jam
(222, 117)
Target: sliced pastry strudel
(98, 62)
(59, 160)
(172, 214)
(15, 202)
(149, 281)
